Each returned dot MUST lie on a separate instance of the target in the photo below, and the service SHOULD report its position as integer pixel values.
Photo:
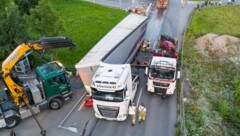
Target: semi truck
(162, 70)
(118, 46)
(49, 89)
(113, 89)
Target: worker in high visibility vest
(143, 9)
(148, 43)
(147, 47)
(142, 113)
(144, 47)
(132, 111)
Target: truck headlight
(97, 114)
(93, 84)
(122, 116)
(150, 89)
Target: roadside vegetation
(85, 23)
(22, 21)
(213, 106)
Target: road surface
(161, 114)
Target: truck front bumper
(119, 118)
(154, 89)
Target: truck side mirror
(178, 75)
(146, 71)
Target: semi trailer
(118, 46)
(110, 60)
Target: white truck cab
(113, 88)
(162, 75)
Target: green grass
(213, 110)
(219, 20)
(85, 23)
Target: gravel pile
(218, 45)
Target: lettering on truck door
(56, 85)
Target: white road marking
(60, 125)
(80, 107)
(139, 97)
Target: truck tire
(12, 121)
(56, 104)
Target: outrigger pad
(55, 42)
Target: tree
(3, 5)
(12, 30)
(24, 6)
(44, 21)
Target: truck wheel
(56, 104)
(12, 122)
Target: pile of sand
(220, 45)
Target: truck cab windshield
(163, 74)
(116, 96)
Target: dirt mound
(220, 45)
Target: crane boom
(16, 91)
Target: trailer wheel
(56, 104)
(12, 121)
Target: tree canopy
(44, 21)
(24, 6)
(12, 30)
(23, 20)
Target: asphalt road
(161, 114)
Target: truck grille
(108, 111)
(161, 84)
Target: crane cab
(53, 78)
